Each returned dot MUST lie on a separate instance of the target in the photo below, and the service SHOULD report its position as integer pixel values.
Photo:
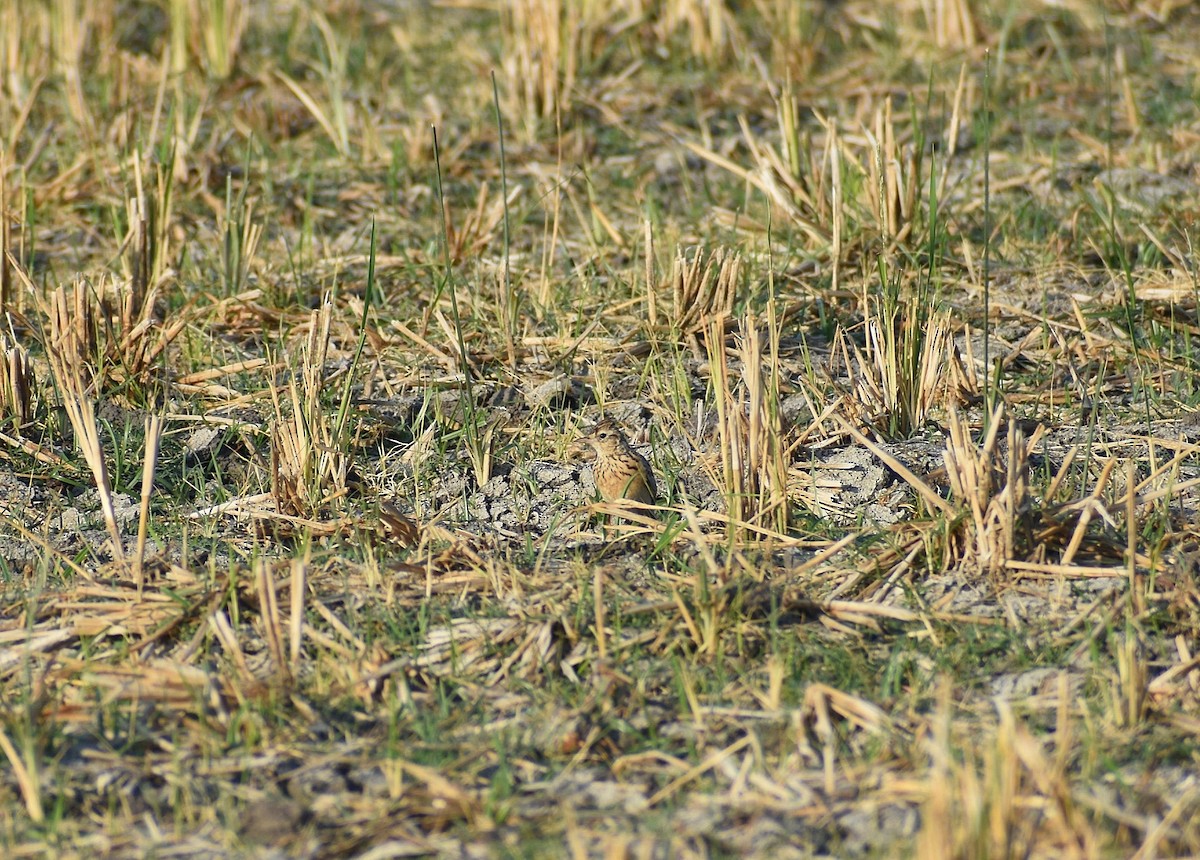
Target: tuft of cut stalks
(16, 383)
(845, 192)
(71, 375)
(995, 494)
(241, 237)
(703, 291)
(111, 332)
(210, 30)
(545, 39)
(1129, 702)
(996, 792)
(148, 242)
(74, 327)
(754, 467)
(553, 46)
(309, 463)
(710, 27)
(908, 367)
(951, 23)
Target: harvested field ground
(306, 304)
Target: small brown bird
(620, 472)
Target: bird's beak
(581, 449)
